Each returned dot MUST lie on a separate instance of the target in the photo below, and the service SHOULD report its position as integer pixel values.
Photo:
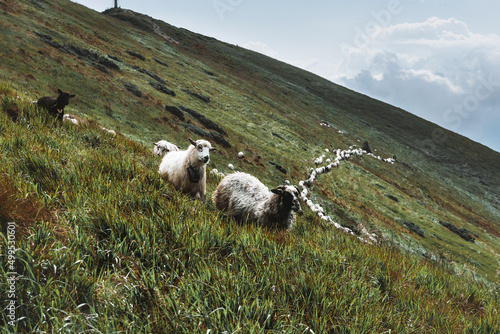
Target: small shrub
(461, 232)
(12, 108)
(23, 210)
(133, 89)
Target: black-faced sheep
(243, 196)
(186, 170)
(55, 106)
(163, 147)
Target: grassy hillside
(104, 244)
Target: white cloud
(429, 68)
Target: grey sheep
(243, 196)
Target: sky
(438, 59)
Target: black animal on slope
(55, 106)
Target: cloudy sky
(438, 59)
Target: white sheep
(215, 172)
(241, 155)
(113, 132)
(244, 197)
(163, 147)
(70, 118)
(186, 170)
(319, 161)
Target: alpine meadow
(399, 227)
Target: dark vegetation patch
(197, 95)
(277, 135)
(132, 89)
(393, 198)
(136, 55)
(162, 88)
(461, 232)
(100, 62)
(115, 58)
(278, 167)
(175, 111)
(149, 73)
(413, 227)
(160, 62)
(209, 124)
(210, 73)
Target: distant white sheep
(216, 173)
(243, 196)
(113, 132)
(75, 119)
(186, 170)
(241, 155)
(319, 161)
(70, 118)
(163, 147)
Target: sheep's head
(203, 148)
(163, 147)
(63, 99)
(160, 149)
(289, 196)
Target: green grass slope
(104, 244)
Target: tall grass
(118, 250)
(269, 109)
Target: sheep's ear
(213, 149)
(192, 142)
(60, 91)
(155, 144)
(277, 191)
(73, 95)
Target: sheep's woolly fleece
(244, 197)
